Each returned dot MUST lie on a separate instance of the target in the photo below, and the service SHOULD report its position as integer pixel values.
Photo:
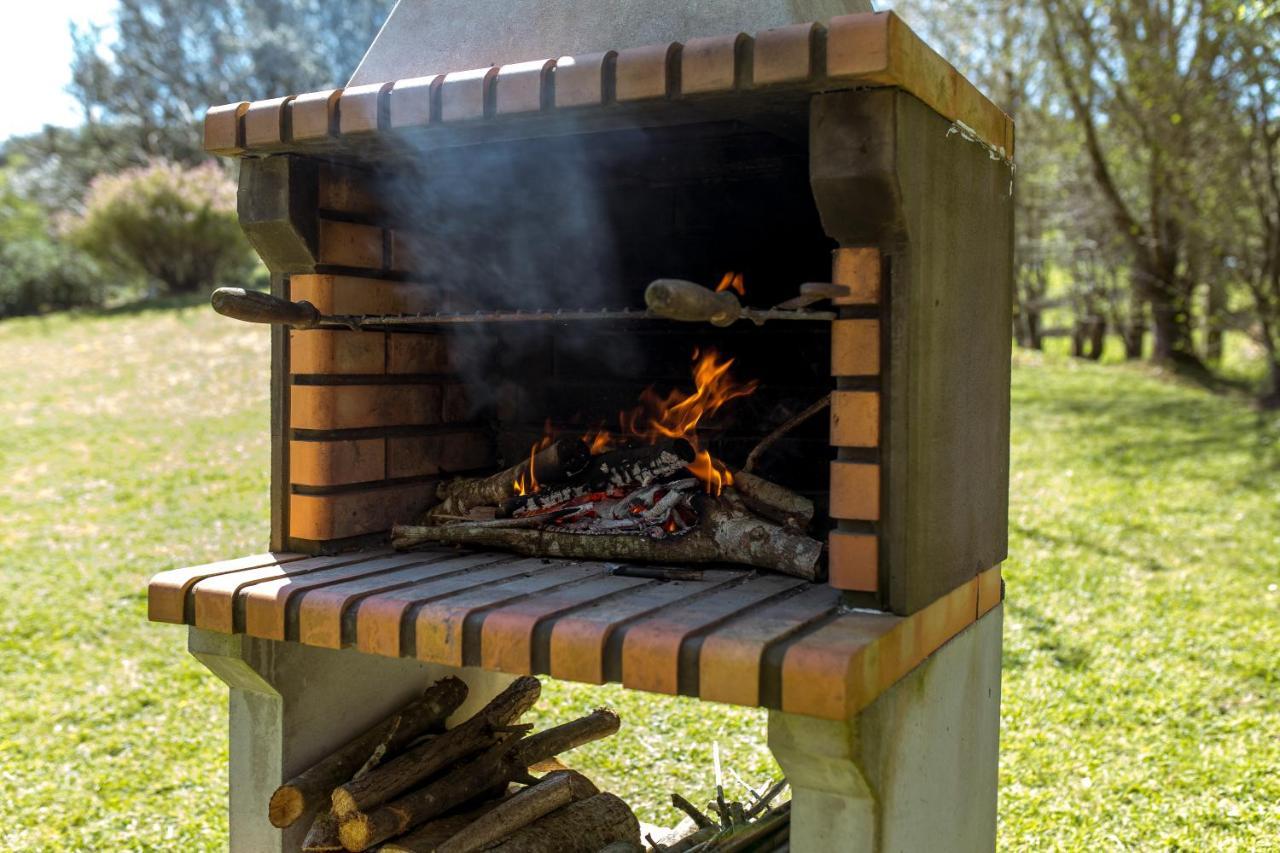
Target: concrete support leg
(914, 771)
(293, 704)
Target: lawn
(1142, 634)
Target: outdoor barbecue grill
(459, 256)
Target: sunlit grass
(1140, 684)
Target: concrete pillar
(293, 704)
(915, 772)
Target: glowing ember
(732, 281)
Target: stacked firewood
(409, 786)
(632, 503)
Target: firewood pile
(756, 827)
(647, 493)
(407, 785)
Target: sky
(35, 62)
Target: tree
(1142, 78)
(170, 60)
(172, 224)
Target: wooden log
(554, 464)
(501, 764)
(312, 787)
(725, 534)
(428, 837)
(323, 835)
(477, 734)
(618, 469)
(765, 443)
(581, 827)
(552, 792)
(774, 502)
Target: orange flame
(678, 414)
(732, 281)
(527, 482)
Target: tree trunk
(1217, 304)
(1270, 399)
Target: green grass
(1141, 691)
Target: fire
(732, 281)
(527, 482)
(678, 414)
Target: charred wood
(724, 534)
(561, 461)
(618, 469)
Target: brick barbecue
(844, 152)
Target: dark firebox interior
(587, 220)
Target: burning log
(618, 469)
(559, 462)
(725, 533)
(536, 801)
(772, 501)
(499, 766)
(476, 735)
(312, 787)
(581, 827)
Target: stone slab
(434, 36)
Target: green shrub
(38, 274)
(172, 225)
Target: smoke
(512, 225)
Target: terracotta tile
(322, 517)
(855, 348)
(858, 45)
(264, 123)
(583, 81)
(347, 190)
(855, 491)
(717, 64)
(415, 102)
(860, 270)
(787, 54)
(646, 73)
(349, 294)
(464, 95)
(450, 453)
(335, 463)
(417, 353)
(360, 108)
(321, 351)
(331, 407)
(350, 244)
(524, 87)
(855, 419)
(223, 134)
(854, 561)
(312, 115)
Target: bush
(38, 275)
(167, 223)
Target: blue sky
(35, 60)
